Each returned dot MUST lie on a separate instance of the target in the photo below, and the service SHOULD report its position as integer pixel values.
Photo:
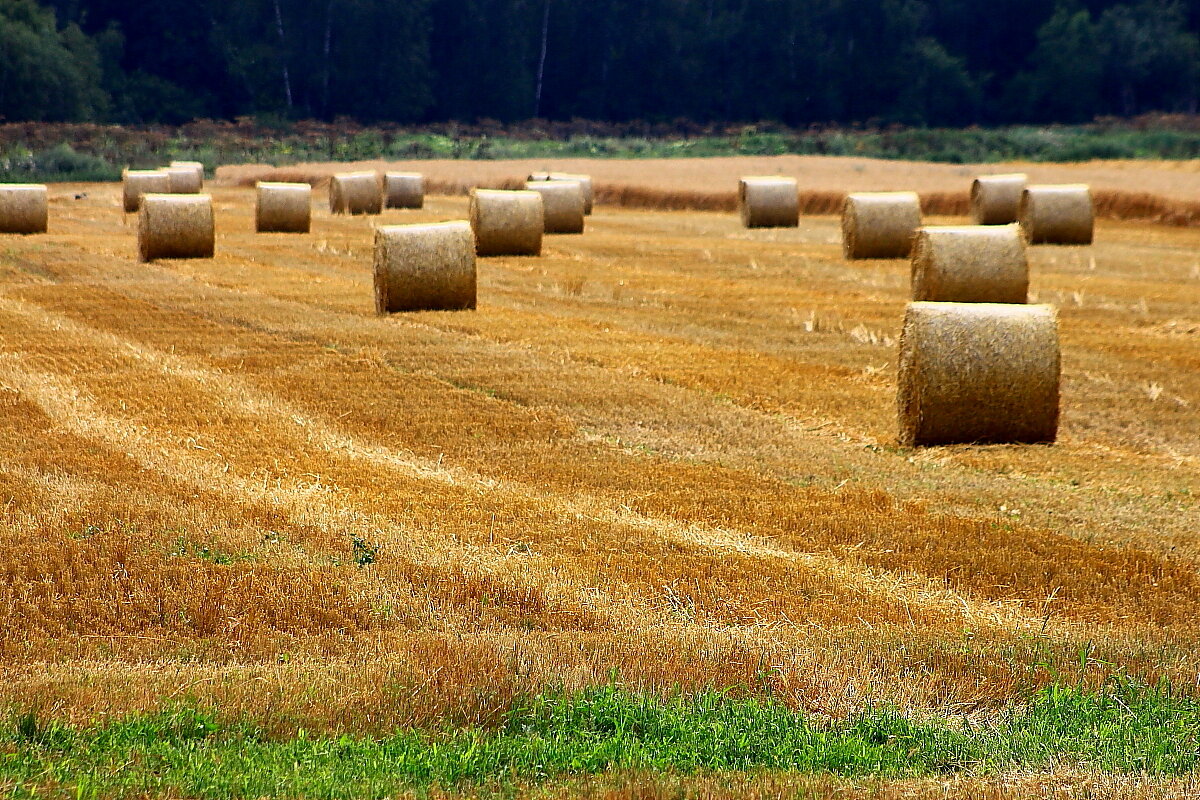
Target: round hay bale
(1061, 214)
(355, 193)
(996, 199)
(769, 202)
(137, 182)
(424, 267)
(970, 264)
(562, 202)
(283, 207)
(185, 180)
(194, 165)
(978, 372)
(880, 224)
(507, 223)
(585, 182)
(24, 208)
(176, 226)
(404, 189)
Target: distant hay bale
(193, 165)
(1061, 214)
(880, 224)
(769, 202)
(137, 182)
(562, 202)
(283, 207)
(404, 189)
(24, 208)
(507, 223)
(978, 372)
(585, 182)
(970, 264)
(424, 267)
(185, 180)
(996, 199)
(176, 226)
(355, 193)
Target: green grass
(190, 752)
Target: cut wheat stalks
(1062, 214)
(283, 207)
(137, 182)
(769, 202)
(507, 223)
(176, 226)
(880, 224)
(585, 182)
(562, 202)
(996, 199)
(404, 189)
(24, 208)
(355, 193)
(970, 264)
(424, 267)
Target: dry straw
(137, 182)
(24, 208)
(184, 180)
(424, 267)
(585, 183)
(196, 167)
(978, 372)
(970, 264)
(996, 199)
(563, 204)
(507, 223)
(769, 202)
(355, 193)
(175, 226)
(880, 224)
(1061, 214)
(404, 189)
(283, 208)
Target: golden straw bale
(24, 208)
(769, 202)
(585, 182)
(970, 264)
(176, 226)
(978, 372)
(404, 189)
(562, 202)
(1062, 214)
(192, 165)
(507, 223)
(137, 182)
(424, 267)
(880, 224)
(184, 180)
(355, 193)
(996, 199)
(283, 207)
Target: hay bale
(175, 226)
(507, 223)
(562, 202)
(769, 202)
(184, 180)
(978, 372)
(970, 264)
(996, 199)
(585, 182)
(24, 208)
(355, 193)
(424, 267)
(193, 165)
(404, 189)
(137, 182)
(283, 207)
(880, 224)
(1061, 214)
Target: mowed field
(662, 454)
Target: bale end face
(24, 208)
(1061, 214)
(880, 224)
(996, 199)
(562, 203)
(176, 226)
(404, 189)
(283, 208)
(355, 193)
(970, 264)
(769, 202)
(424, 267)
(507, 223)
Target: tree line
(796, 62)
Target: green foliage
(46, 74)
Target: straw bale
(355, 193)
(137, 182)
(970, 264)
(184, 180)
(193, 165)
(562, 202)
(978, 372)
(424, 267)
(585, 182)
(769, 202)
(1061, 214)
(283, 207)
(24, 208)
(507, 223)
(996, 199)
(404, 189)
(175, 226)
(880, 224)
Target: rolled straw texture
(585, 183)
(996, 199)
(283, 207)
(424, 267)
(175, 226)
(563, 204)
(1062, 214)
(507, 223)
(184, 180)
(978, 372)
(880, 224)
(137, 182)
(192, 165)
(769, 202)
(355, 193)
(970, 264)
(404, 189)
(24, 208)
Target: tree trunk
(287, 79)
(541, 70)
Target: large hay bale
(184, 180)
(283, 207)
(978, 372)
(880, 224)
(424, 267)
(507, 223)
(970, 264)
(996, 199)
(24, 208)
(1061, 214)
(404, 189)
(585, 182)
(137, 182)
(562, 202)
(195, 166)
(176, 226)
(355, 193)
(769, 202)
